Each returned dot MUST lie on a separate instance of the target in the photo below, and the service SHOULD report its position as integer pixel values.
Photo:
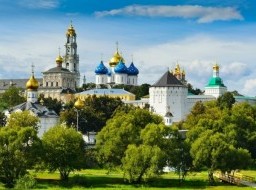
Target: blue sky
(157, 34)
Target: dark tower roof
(168, 80)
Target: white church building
(169, 96)
(117, 73)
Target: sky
(154, 34)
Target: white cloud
(200, 13)
(250, 86)
(39, 4)
(197, 55)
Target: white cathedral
(169, 96)
(117, 73)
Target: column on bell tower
(71, 58)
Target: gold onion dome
(59, 59)
(71, 31)
(79, 104)
(116, 59)
(32, 83)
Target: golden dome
(32, 83)
(216, 67)
(71, 31)
(115, 59)
(59, 59)
(79, 104)
(183, 72)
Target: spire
(32, 69)
(84, 80)
(116, 46)
(216, 70)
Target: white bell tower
(71, 58)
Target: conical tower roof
(168, 80)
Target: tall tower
(168, 94)
(71, 58)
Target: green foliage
(26, 182)
(94, 115)
(141, 144)
(139, 91)
(142, 162)
(123, 129)
(196, 91)
(23, 119)
(2, 119)
(226, 100)
(222, 135)
(11, 97)
(20, 148)
(51, 104)
(64, 150)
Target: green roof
(216, 81)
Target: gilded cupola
(59, 60)
(32, 83)
(79, 104)
(71, 31)
(116, 58)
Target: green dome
(216, 81)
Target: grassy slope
(99, 179)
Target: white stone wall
(46, 123)
(120, 78)
(172, 99)
(101, 79)
(215, 91)
(132, 80)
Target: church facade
(59, 82)
(63, 79)
(48, 118)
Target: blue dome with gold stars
(121, 68)
(101, 69)
(132, 70)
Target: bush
(26, 182)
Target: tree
(141, 162)
(130, 136)
(19, 151)
(211, 150)
(52, 104)
(222, 135)
(2, 119)
(23, 119)
(11, 97)
(123, 129)
(226, 100)
(64, 150)
(94, 115)
(196, 91)
(139, 91)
